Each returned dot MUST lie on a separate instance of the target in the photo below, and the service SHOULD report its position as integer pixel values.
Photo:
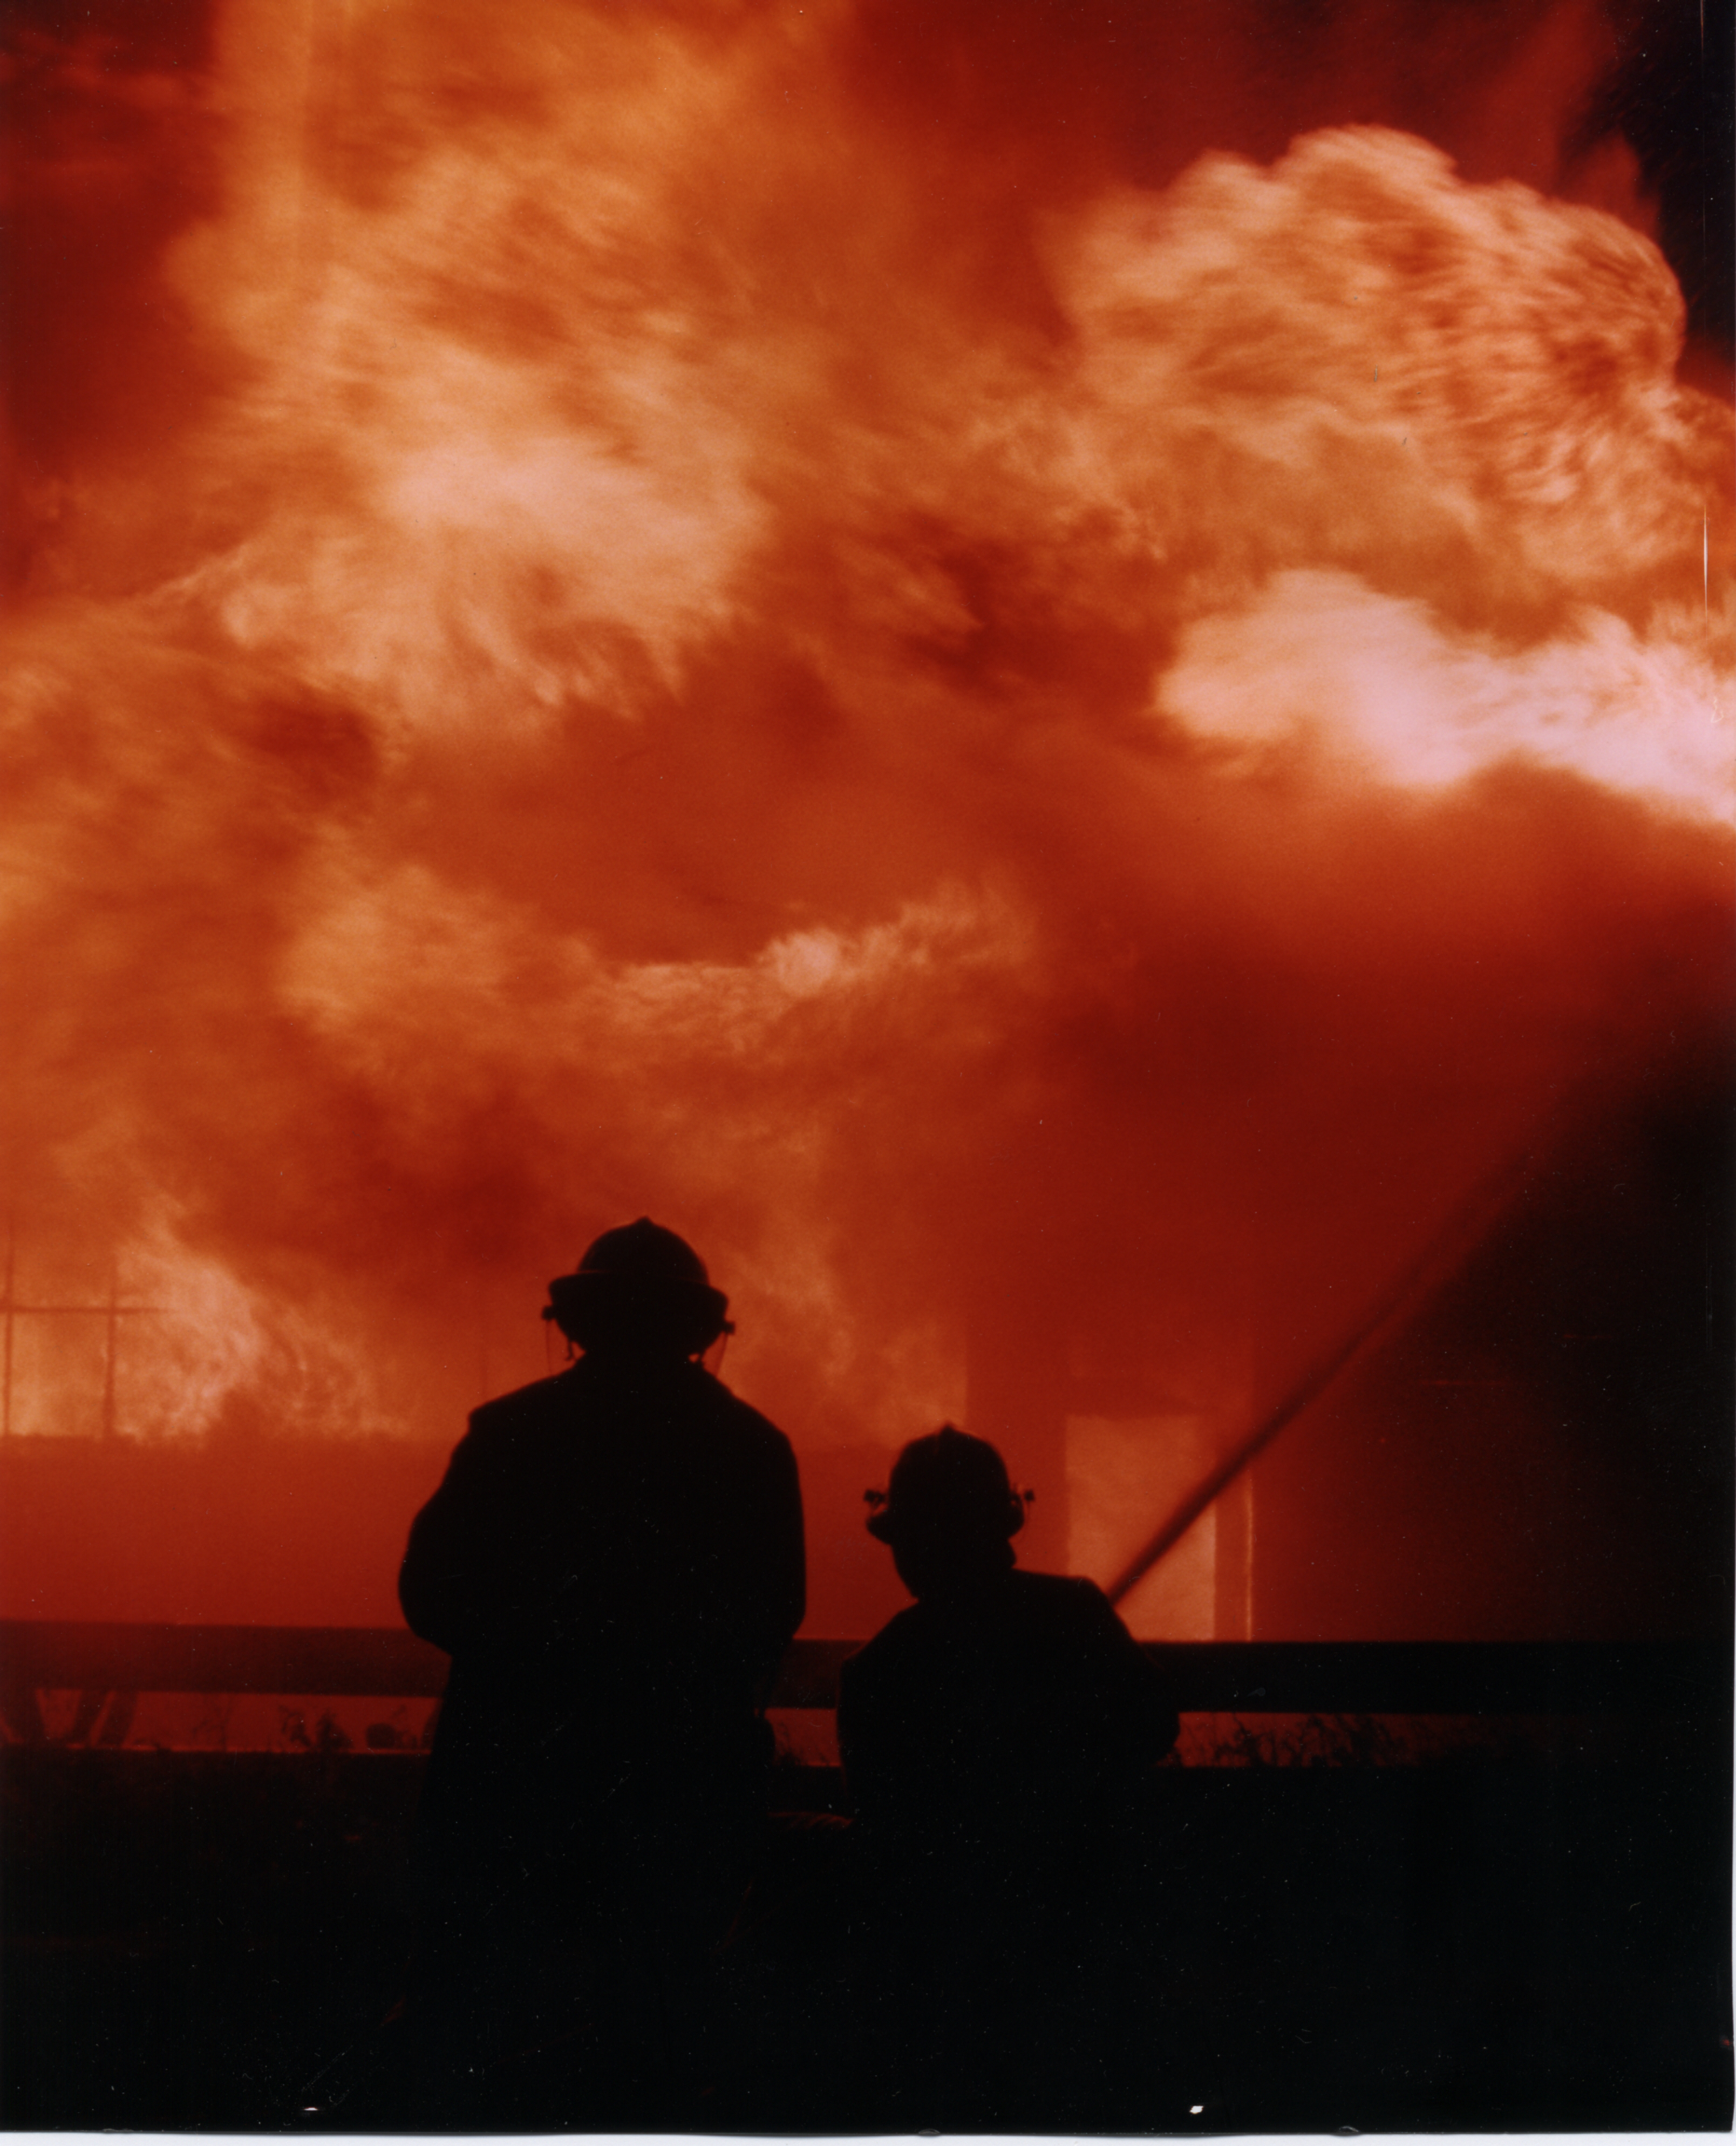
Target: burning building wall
(1046, 688)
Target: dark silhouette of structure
(997, 1738)
(615, 1562)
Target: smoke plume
(675, 616)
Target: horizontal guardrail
(1635, 1677)
(1275, 1676)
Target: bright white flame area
(1367, 684)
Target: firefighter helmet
(640, 1282)
(948, 1482)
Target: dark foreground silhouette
(998, 1738)
(1005, 1713)
(1026, 1925)
(615, 1562)
(191, 1939)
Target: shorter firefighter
(998, 1739)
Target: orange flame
(663, 637)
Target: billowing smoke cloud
(667, 665)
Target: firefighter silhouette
(615, 1562)
(996, 1739)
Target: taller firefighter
(615, 1562)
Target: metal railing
(1637, 1677)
